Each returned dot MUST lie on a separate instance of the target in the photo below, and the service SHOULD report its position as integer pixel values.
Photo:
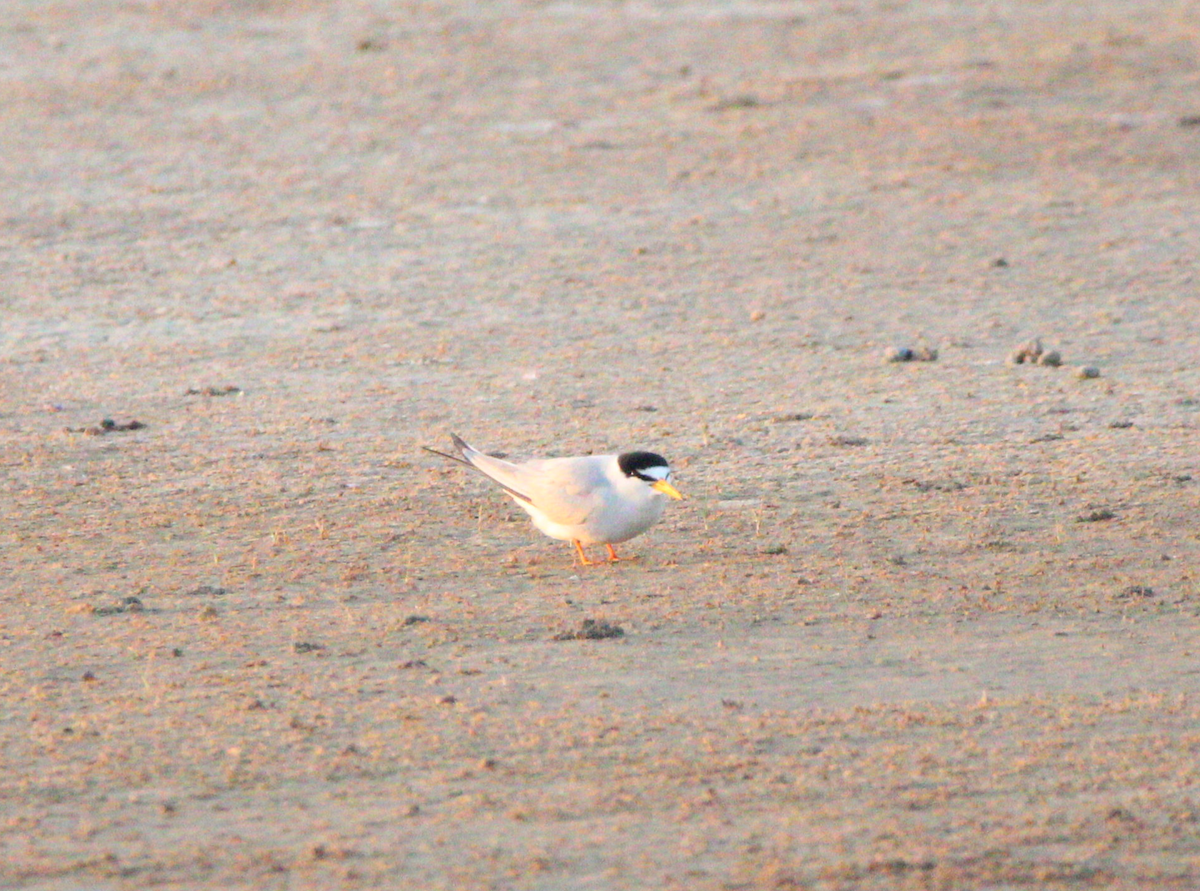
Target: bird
(587, 500)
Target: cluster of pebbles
(1032, 353)
(229, 390)
(592, 629)
(1029, 353)
(108, 425)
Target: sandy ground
(918, 625)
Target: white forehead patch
(657, 472)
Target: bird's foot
(613, 558)
(583, 558)
(612, 555)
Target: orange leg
(582, 556)
(612, 554)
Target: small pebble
(908, 354)
(1050, 357)
(745, 100)
(792, 416)
(1083, 372)
(206, 591)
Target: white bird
(594, 499)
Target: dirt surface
(919, 624)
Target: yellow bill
(667, 489)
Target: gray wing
(563, 489)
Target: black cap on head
(637, 463)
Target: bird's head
(651, 469)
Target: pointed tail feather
(467, 451)
(461, 445)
